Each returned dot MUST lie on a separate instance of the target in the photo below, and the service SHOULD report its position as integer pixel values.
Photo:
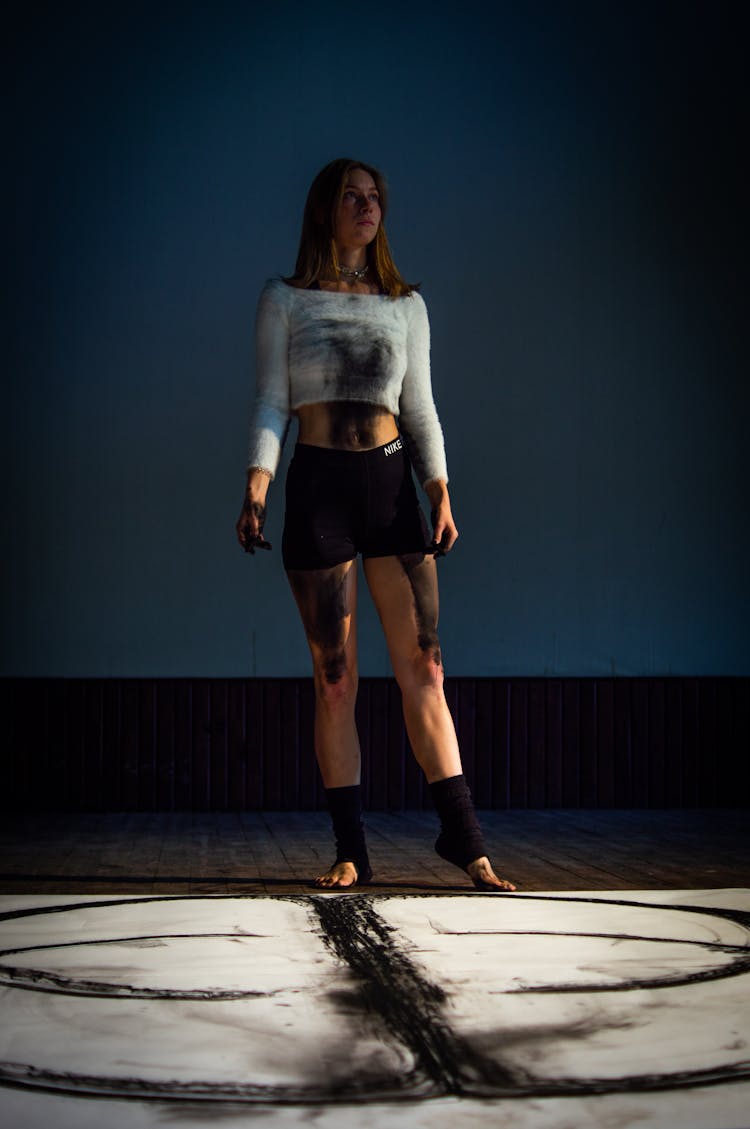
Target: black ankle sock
(460, 840)
(345, 806)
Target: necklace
(352, 272)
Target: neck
(353, 257)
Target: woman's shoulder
(276, 282)
(418, 306)
(283, 289)
(276, 292)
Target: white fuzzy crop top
(323, 345)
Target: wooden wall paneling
(571, 743)
(219, 753)
(587, 739)
(639, 741)
(92, 744)
(657, 792)
(673, 783)
(728, 783)
(12, 796)
(398, 750)
(553, 707)
(57, 700)
(289, 745)
(254, 743)
(740, 737)
(272, 745)
(111, 734)
(146, 744)
(22, 786)
(217, 744)
(375, 792)
(19, 743)
(312, 797)
(690, 722)
(501, 745)
(236, 744)
(183, 744)
(466, 707)
(76, 754)
(519, 744)
(708, 751)
(164, 737)
(484, 722)
(605, 743)
(129, 715)
(201, 745)
(537, 736)
(39, 750)
(622, 712)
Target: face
(358, 216)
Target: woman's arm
(419, 422)
(418, 416)
(270, 415)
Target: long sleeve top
(315, 346)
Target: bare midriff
(345, 425)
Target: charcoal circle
(410, 1087)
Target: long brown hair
(317, 256)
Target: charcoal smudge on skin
(321, 597)
(394, 992)
(255, 509)
(353, 425)
(419, 570)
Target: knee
(424, 669)
(335, 682)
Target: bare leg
(405, 593)
(327, 602)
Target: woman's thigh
(327, 601)
(405, 592)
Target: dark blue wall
(565, 183)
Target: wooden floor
(278, 852)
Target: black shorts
(340, 503)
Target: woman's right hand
(250, 524)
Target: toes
(340, 876)
(484, 878)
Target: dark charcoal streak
(21, 1076)
(40, 980)
(394, 991)
(739, 966)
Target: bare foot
(484, 878)
(341, 874)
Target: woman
(344, 346)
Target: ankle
(345, 807)
(460, 840)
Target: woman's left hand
(444, 532)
